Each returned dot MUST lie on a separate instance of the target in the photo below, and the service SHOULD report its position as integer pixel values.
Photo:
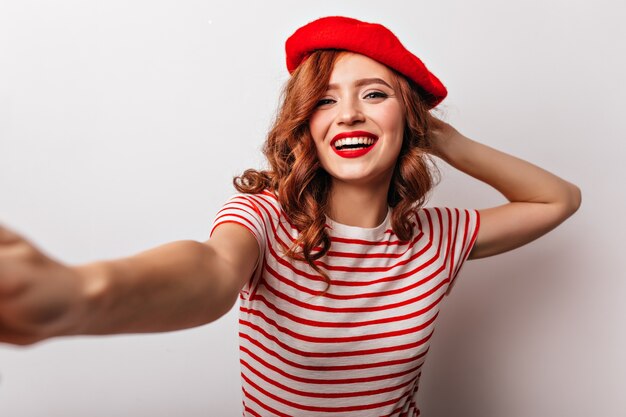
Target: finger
(13, 338)
(18, 251)
(12, 332)
(14, 246)
(13, 281)
(7, 235)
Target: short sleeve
(243, 209)
(457, 230)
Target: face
(358, 124)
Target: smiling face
(358, 124)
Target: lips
(353, 144)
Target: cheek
(394, 129)
(316, 133)
(317, 126)
(393, 120)
(394, 125)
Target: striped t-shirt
(358, 349)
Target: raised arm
(174, 286)
(538, 200)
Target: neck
(359, 206)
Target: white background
(122, 124)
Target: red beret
(369, 39)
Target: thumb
(7, 235)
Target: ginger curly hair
(302, 185)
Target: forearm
(538, 200)
(171, 287)
(516, 179)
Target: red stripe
(467, 248)
(386, 268)
(453, 264)
(331, 295)
(275, 204)
(288, 234)
(366, 309)
(242, 201)
(245, 220)
(348, 324)
(353, 283)
(369, 255)
(263, 405)
(410, 397)
(332, 381)
(452, 237)
(311, 394)
(331, 368)
(340, 353)
(362, 242)
(280, 259)
(290, 265)
(375, 255)
(251, 411)
(234, 222)
(313, 339)
(234, 204)
(320, 409)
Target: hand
(39, 297)
(441, 136)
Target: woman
(339, 269)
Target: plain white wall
(122, 124)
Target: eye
(375, 95)
(325, 102)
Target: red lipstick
(353, 153)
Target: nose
(350, 112)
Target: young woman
(339, 268)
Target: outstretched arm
(174, 286)
(538, 200)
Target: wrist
(94, 286)
(449, 145)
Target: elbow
(575, 199)
(224, 301)
(571, 201)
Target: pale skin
(187, 283)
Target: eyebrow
(362, 82)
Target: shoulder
(446, 219)
(265, 204)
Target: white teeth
(353, 141)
